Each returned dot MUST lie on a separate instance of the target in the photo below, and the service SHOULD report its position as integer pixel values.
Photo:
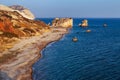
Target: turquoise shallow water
(96, 55)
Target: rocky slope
(20, 9)
(5, 8)
(14, 26)
(21, 40)
(24, 11)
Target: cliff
(15, 23)
(14, 26)
(21, 40)
(23, 11)
(62, 22)
(15, 29)
(20, 9)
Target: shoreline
(20, 68)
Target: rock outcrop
(21, 40)
(15, 23)
(20, 9)
(5, 8)
(84, 23)
(14, 26)
(23, 11)
(62, 22)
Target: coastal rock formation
(20, 9)
(88, 31)
(84, 23)
(13, 28)
(23, 11)
(21, 40)
(62, 22)
(14, 23)
(5, 8)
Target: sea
(95, 56)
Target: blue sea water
(96, 55)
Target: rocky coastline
(22, 40)
(20, 67)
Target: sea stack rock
(84, 23)
(62, 22)
(20, 9)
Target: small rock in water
(75, 39)
(84, 23)
(105, 25)
(88, 30)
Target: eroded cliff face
(14, 26)
(20, 9)
(62, 22)
(5, 8)
(23, 11)
(13, 22)
(21, 39)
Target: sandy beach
(20, 67)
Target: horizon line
(80, 17)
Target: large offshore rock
(62, 22)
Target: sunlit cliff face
(19, 26)
(6, 24)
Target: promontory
(22, 38)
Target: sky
(70, 8)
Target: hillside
(14, 26)
(20, 9)
(21, 41)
